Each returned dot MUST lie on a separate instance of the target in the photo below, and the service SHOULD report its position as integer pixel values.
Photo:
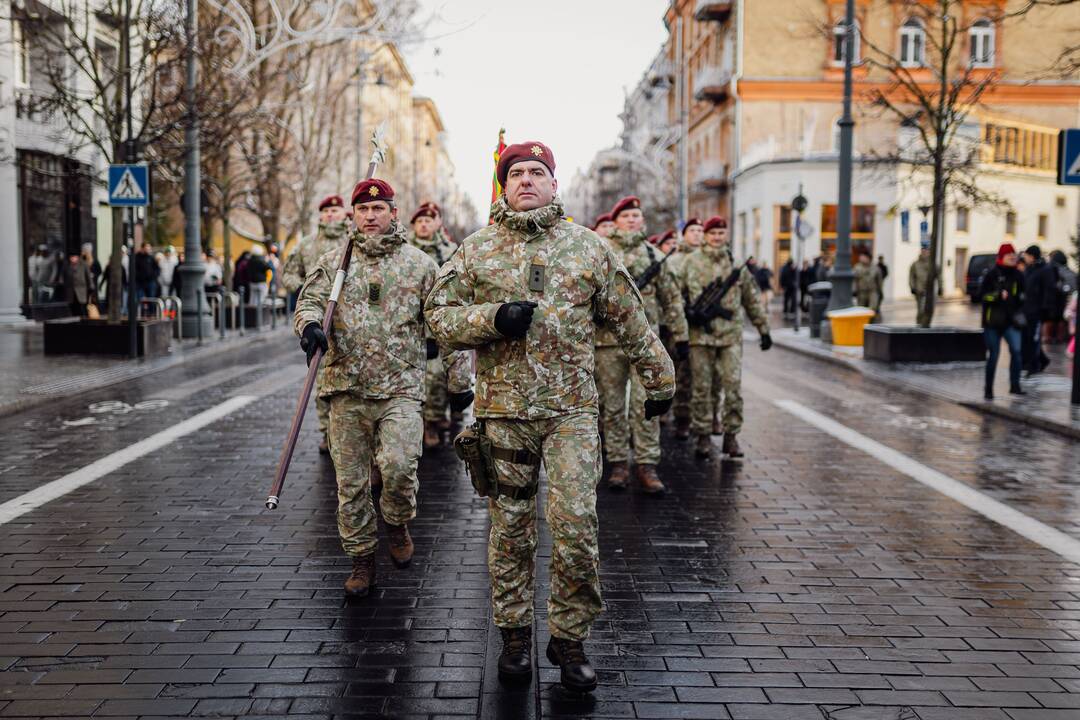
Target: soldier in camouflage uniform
(716, 344)
(427, 235)
(603, 225)
(867, 283)
(301, 261)
(919, 282)
(693, 235)
(527, 293)
(374, 376)
(663, 304)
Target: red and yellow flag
(496, 188)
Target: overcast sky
(553, 71)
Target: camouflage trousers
(570, 448)
(683, 383)
(612, 373)
(437, 402)
(322, 404)
(922, 315)
(389, 432)
(716, 370)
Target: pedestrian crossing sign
(1069, 157)
(129, 185)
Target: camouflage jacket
(579, 282)
(866, 279)
(377, 348)
(919, 276)
(438, 247)
(663, 304)
(302, 260)
(675, 264)
(701, 268)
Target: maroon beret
(653, 239)
(371, 190)
(332, 201)
(691, 221)
(627, 203)
(666, 236)
(424, 210)
(606, 217)
(433, 206)
(531, 150)
(715, 222)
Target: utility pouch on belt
(479, 454)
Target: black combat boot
(515, 660)
(577, 674)
(731, 446)
(703, 449)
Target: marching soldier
(526, 292)
(662, 304)
(693, 235)
(444, 379)
(374, 376)
(716, 336)
(302, 260)
(603, 225)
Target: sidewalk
(1046, 404)
(31, 378)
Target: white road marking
(110, 463)
(1034, 530)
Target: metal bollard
(273, 313)
(198, 325)
(178, 307)
(156, 302)
(243, 308)
(221, 311)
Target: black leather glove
(682, 350)
(656, 408)
(460, 401)
(432, 349)
(513, 318)
(766, 341)
(694, 318)
(313, 338)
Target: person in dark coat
(806, 278)
(146, 273)
(1002, 294)
(1035, 290)
(789, 283)
(78, 285)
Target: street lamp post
(196, 318)
(841, 275)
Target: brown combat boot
(362, 579)
(401, 544)
(682, 429)
(432, 435)
(731, 446)
(619, 477)
(717, 426)
(704, 446)
(650, 481)
(324, 446)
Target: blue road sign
(129, 185)
(1069, 157)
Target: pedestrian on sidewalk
(1035, 291)
(764, 277)
(168, 265)
(146, 273)
(1057, 283)
(1070, 315)
(258, 277)
(789, 283)
(78, 285)
(1002, 293)
(532, 324)
(882, 267)
(919, 283)
(867, 284)
(806, 278)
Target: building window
(862, 229)
(962, 216)
(982, 44)
(1010, 223)
(913, 44)
(839, 35)
(22, 55)
(1044, 220)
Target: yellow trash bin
(848, 325)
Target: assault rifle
(652, 271)
(707, 306)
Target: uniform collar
(376, 245)
(529, 222)
(626, 240)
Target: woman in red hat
(1002, 293)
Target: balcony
(712, 84)
(710, 10)
(712, 175)
(661, 74)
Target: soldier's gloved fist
(766, 341)
(694, 318)
(313, 338)
(513, 318)
(656, 408)
(460, 401)
(432, 349)
(682, 350)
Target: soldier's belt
(479, 454)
